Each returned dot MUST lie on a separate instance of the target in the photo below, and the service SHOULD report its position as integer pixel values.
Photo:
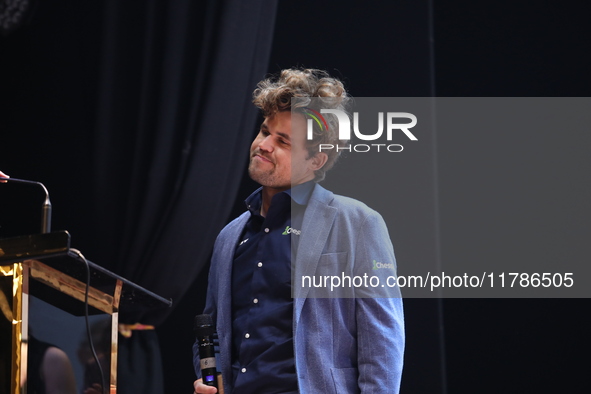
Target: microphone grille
(203, 325)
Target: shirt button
(247, 335)
(243, 370)
(267, 229)
(256, 300)
(260, 264)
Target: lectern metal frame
(39, 258)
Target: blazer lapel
(224, 278)
(316, 226)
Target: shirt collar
(300, 194)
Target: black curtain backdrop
(174, 118)
(515, 49)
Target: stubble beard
(264, 177)
(259, 175)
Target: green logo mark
(289, 230)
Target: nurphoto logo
(394, 124)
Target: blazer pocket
(332, 277)
(345, 380)
(332, 263)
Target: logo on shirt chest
(289, 230)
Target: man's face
(278, 155)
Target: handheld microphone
(46, 210)
(204, 332)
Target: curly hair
(295, 89)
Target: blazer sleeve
(218, 298)
(379, 310)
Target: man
(277, 335)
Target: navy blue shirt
(262, 306)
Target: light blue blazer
(341, 345)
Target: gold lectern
(44, 266)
